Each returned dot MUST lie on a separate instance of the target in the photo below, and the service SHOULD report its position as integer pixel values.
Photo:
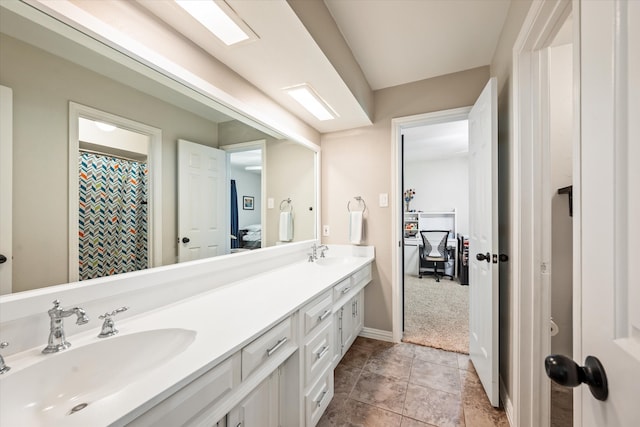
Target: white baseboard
(506, 402)
(376, 334)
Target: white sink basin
(334, 261)
(47, 392)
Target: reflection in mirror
(46, 72)
(109, 186)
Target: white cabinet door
(358, 313)
(261, 407)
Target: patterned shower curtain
(112, 216)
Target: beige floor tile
(371, 343)
(378, 390)
(390, 365)
(400, 349)
(435, 355)
(477, 409)
(432, 406)
(435, 376)
(345, 377)
(410, 422)
(356, 356)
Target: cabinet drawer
(362, 275)
(317, 312)
(318, 353)
(182, 407)
(342, 288)
(269, 345)
(318, 398)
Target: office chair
(432, 255)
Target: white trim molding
(154, 163)
(397, 124)
(530, 333)
(376, 334)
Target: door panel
(203, 226)
(483, 239)
(609, 208)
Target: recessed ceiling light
(216, 16)
(310, 100)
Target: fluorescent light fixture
(106, 127)
(311, 101)
(253, 168)
(210, 14)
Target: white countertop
(225, 319)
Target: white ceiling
(393, 41)
(402, 41)
(436, 141)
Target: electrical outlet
(383, 200)
(325, 230)
(270, 203)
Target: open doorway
(559, 195)
(247, 186)
(435, 233)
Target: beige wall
(291, 175)
(561, 134)
(501, 67)
(42, 87)
(357, 162)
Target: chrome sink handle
(57, 339)
(3, 368)
(323, 249)
(108, 326)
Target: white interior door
(6, 171)
(608, 290)
(483, 239)
(203, 208)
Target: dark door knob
(3, 259)
(484, 257)
(566, 372)
(503, 258)
(185, 240)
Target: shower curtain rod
(84, 150)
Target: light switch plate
(270, 203)
(325, 230)
(383, 200)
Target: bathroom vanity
(203, 343)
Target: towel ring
(360, 201)
(286, 203)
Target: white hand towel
(356, 227)
(286, 227)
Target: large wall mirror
(55, 82)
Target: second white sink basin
(66, 383)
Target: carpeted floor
(436, 313)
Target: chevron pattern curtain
(112, 216)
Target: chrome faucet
(109, 326)
(314, 252)
(3, 367)
(57, 340)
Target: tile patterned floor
(380, 384)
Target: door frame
(6, 188)
(530, 255)
(397, 267)
(154, 163)
(259, 144)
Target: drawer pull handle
(345, 290)
(319, 402)
(324, 315)
(275, 348)
(322, 352)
